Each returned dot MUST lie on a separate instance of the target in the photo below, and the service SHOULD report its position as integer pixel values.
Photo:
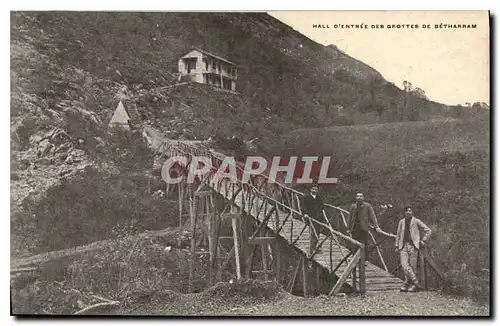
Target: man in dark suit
(313, 210)
(361, 214)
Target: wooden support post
(212, 241)
(245, 248)
(249, 262)
(331, 255)
(291, 284)
(423, 272)
(203, 211)
(362, 273)
(304, 277)
(234, 223)
(349, 269)
(354, 279)
(318, 271)
(181, 201)
(192, 213)
(264, 255)
(277, 255)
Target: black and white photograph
(238, 163)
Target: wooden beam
(266, 272)
(292, 282)
(264, 255)
(362, 270)
(227, 259)
(203, 193)
(212, 240)
(317, 268)
(192, 212)
(421, 263)
(23, 270)
(236, 247)
(277, 266)
(378, 251)
(249, 263)
(336, 288)
(433, 265)
(262, 240)
(230, 215)
(304, 277)
(318, 246)
(262, 224)
(181, 200)
(341, 262)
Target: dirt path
(371, 304)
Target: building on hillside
(125, 117)
(203, 67)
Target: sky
(450, 65)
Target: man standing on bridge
(361, 213)
(408, 242)
(313, 211)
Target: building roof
(125, 115)
(120, 117)
(213, 55)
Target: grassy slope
(378, 146)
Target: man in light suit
(408, 242)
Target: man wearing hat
(313, 211)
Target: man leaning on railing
(408, 243)
(360, 215)
(313, 211)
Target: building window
(226, 83)
(190, 64)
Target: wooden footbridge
(275, 212)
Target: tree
(419, 93)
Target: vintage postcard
(328, 163)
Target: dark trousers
(361, 235)
(313, 240)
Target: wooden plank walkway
(377, 279)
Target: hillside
(280, 70)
